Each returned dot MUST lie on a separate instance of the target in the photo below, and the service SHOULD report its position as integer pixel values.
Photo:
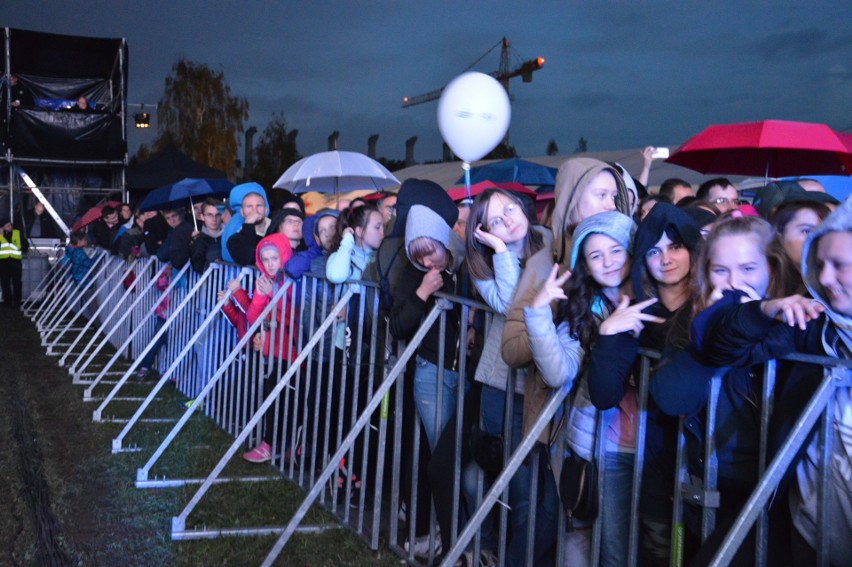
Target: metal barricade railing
(40, 293)
(68, 294)
(837, 373)
(108, 293)
(50, 289)
(231, 397)
(113, 318)
(119, 333)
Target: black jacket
(204, 249)
(242, 245)
(155, 230)
(48, 227)
(179, 244)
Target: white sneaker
(421, 545)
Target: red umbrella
(847, 139)
(771, 148)
(459, 193)
(92, 215)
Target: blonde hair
(423, 246)
(781, 269)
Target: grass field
(66, 499)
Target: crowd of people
(704, 278)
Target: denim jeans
(615, 517)
(148, 361)
(493, 411)
(426, 397)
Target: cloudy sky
(621, 74)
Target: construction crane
(502, 74)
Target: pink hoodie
(260, 301)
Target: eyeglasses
(725, 201)
(293, 221)
(509, 210)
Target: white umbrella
(332, 172)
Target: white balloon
(473, 115)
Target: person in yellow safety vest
(12, 247)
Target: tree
(142, 154)
(552, 148)
(274, 152)
(582, 146)
(502, 151)
(199, 115)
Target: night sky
(620, 74)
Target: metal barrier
(313, 441)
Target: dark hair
(107, 210)
(358, 202)
(667, 187)
(703, 193)
(688, 202)
(784, 213)
(209, 203)
(478, 256)
(77, 237)
(353, 217)
(576, 311)
(651, 198)
(181, 213)
(382, 196)
(649, 285)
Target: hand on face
(552, 289)
(750, 294)
(489, 240)
(432, 282)
(629, 318)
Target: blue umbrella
(177, 194)
(513, 169)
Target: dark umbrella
(770, 148)
(513, 169)
(178, 193)
(459, 193)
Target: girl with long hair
(742, 260)
(600, 264)
(500, 237)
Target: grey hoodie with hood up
(803, 500)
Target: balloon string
(466, 167)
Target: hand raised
(629, 318)
(552, 289)
(794, 310)
(264, 285)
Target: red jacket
(282, 313)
